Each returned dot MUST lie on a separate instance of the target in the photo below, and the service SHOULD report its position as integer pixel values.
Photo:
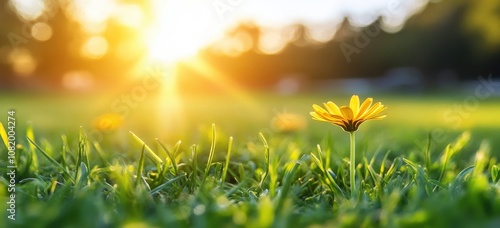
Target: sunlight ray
(224, 82)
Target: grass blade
(210, 154)
(34, 159)
(460, 178)
(170, 155)
(82, 179)
(287, 183)
(327, 176)
(266, 153)
(427, 153)
(494, 173)
(81, 151)
(157, 160)
(447, 155)
(162, 186)
(140, 166)
(228, 157)
(54, 162)
(382, 165)
(194, 173)
(100, 153)
(63, 151)
(82, 147)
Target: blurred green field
(72, 177)
(410, 118)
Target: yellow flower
(349, 117)
(108, 122)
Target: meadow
(232, 161)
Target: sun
(180, 29)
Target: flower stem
(352, 165)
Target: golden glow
(95, 47)
(129, 15)
(77, 80)
(108, 122)
(23, 63)
(272, 42)
(180, 29)
(349, 117)
(29, 9)
(92, 14)
(218, 78)
(41, 31)
(234, 45)
(170, 108)
(288, 122)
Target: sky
(282, 12)
(180, 28)
(204, 21)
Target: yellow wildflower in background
(349, 117)
(108, 122)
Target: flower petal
(354, 104)
(349, 117)
(346, 112)
(375, 112)
(371, 110)
(318, 108)
(318, 117)
(323, 114)
(333, 107)
(379, 117)
(366, 104)
(328, 108)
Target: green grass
(229, 175)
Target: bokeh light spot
(41, 31)
(77, 80)
(272, 41)
(95, 47)
(23, 63)
(129, 15)
(28, 10)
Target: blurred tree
(483, 19)
(9, 28)
(448, 36)
(120, 46)
(434, 41)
